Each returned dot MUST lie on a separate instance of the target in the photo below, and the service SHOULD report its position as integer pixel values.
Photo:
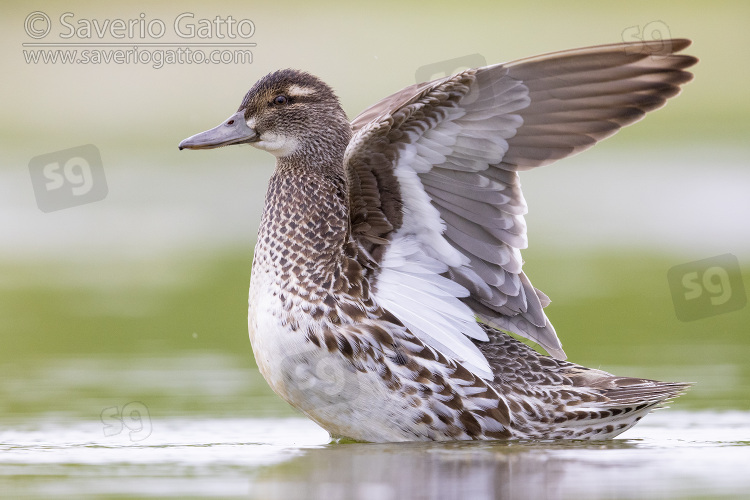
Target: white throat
(278, 145)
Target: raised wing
(436, 201)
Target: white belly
(322, 384)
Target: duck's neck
(305, 226)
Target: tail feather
(621, 403)
(562, 400)
(644, 391)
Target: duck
(387, 295)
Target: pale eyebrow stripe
(300, 91)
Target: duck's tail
(553, 399)
(610, 405)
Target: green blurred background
(143, 295)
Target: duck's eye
(280, 99)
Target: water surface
(672, 454)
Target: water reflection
(647, 466)
(419, 471)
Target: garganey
(388, 270)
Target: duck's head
(287, 112)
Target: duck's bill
(234, 130)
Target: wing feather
(435, 193)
